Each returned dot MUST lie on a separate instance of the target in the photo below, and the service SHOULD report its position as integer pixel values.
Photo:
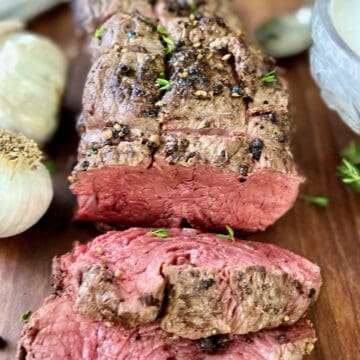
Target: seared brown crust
(218, 111)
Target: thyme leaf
(270, 77)
(163, 84)
(99, 33)
(229, 235)
(165, 37)
(25, 317)
(317, 200)
(161, 233)
(349, 174)
(352, 153)
(51, 167)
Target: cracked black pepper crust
(217, 111)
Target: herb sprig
(349, 171)
(270, 77)
(99, 33)
(161, 233)
(317, 200)
(163, 84)
(165, 37)
(229, 236)
(25, 317)
(194, 9)
(51, 167)
(349, 174)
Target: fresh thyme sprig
(352, 153)
(25, 317)
(161, 233)
(229, 236)
(99, 33)
(317, 200)
(163, 84)
(270, 77)
(349, 174)
(165, 37)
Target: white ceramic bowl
(335, 67)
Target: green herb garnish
(51, 167)
(194, 9)
(229, 235)
(161, 233)
(99, 33)
(349, 174)
(203, 125)
(165, 37)
(317, 200)
(164, 84)
(270, 77)
(146, 20)
(25, 317)
(352, 153)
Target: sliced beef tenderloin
(212, 151)
(195, 284)
(56, 332)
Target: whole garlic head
(32, 78)
(25, 184)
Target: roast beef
(56, 332)
(195, 284)
(93, 13)
(211, 151)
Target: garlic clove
(35, 70)
(26, 188)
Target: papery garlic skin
(32, 81)
(26, 188)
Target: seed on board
(286, 318)
(100, 250)
(309, 348)
(200, 56)
(117, 273)
(117, 47)
(226, 57)
(197, 44)
(108, 324)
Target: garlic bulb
(32, 78)
(25, 185)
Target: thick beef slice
(212, 151)
(195, 284)
(56, 332)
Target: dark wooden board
(327, 236)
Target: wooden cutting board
(328, 236)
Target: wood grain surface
(329, 236)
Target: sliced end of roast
(196, 285)
(56, 332)
(172, 195)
